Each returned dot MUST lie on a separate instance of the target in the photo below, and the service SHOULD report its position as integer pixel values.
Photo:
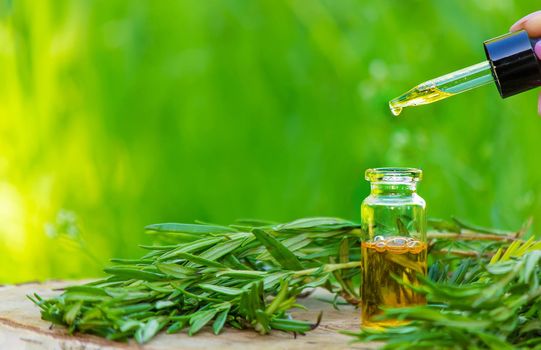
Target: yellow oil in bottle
(419, 95)
(403, 257)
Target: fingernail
(537, 49)
(518, 24)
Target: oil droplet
(395, 110)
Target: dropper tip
(395, 110)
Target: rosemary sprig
(245, 275)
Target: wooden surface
(22, 328)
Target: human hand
(532, 24)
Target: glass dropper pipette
(445, 86)
(511, 63)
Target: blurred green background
(127, 113)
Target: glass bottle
(393, 240)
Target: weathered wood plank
(22, 328)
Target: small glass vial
(393, 240)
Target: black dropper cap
(515, 66)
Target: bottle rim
(394, 175)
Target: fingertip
(533, 26)
(516, 26)
(520, 24)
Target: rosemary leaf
(284, 256)
(219, 322)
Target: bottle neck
(393, 188)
